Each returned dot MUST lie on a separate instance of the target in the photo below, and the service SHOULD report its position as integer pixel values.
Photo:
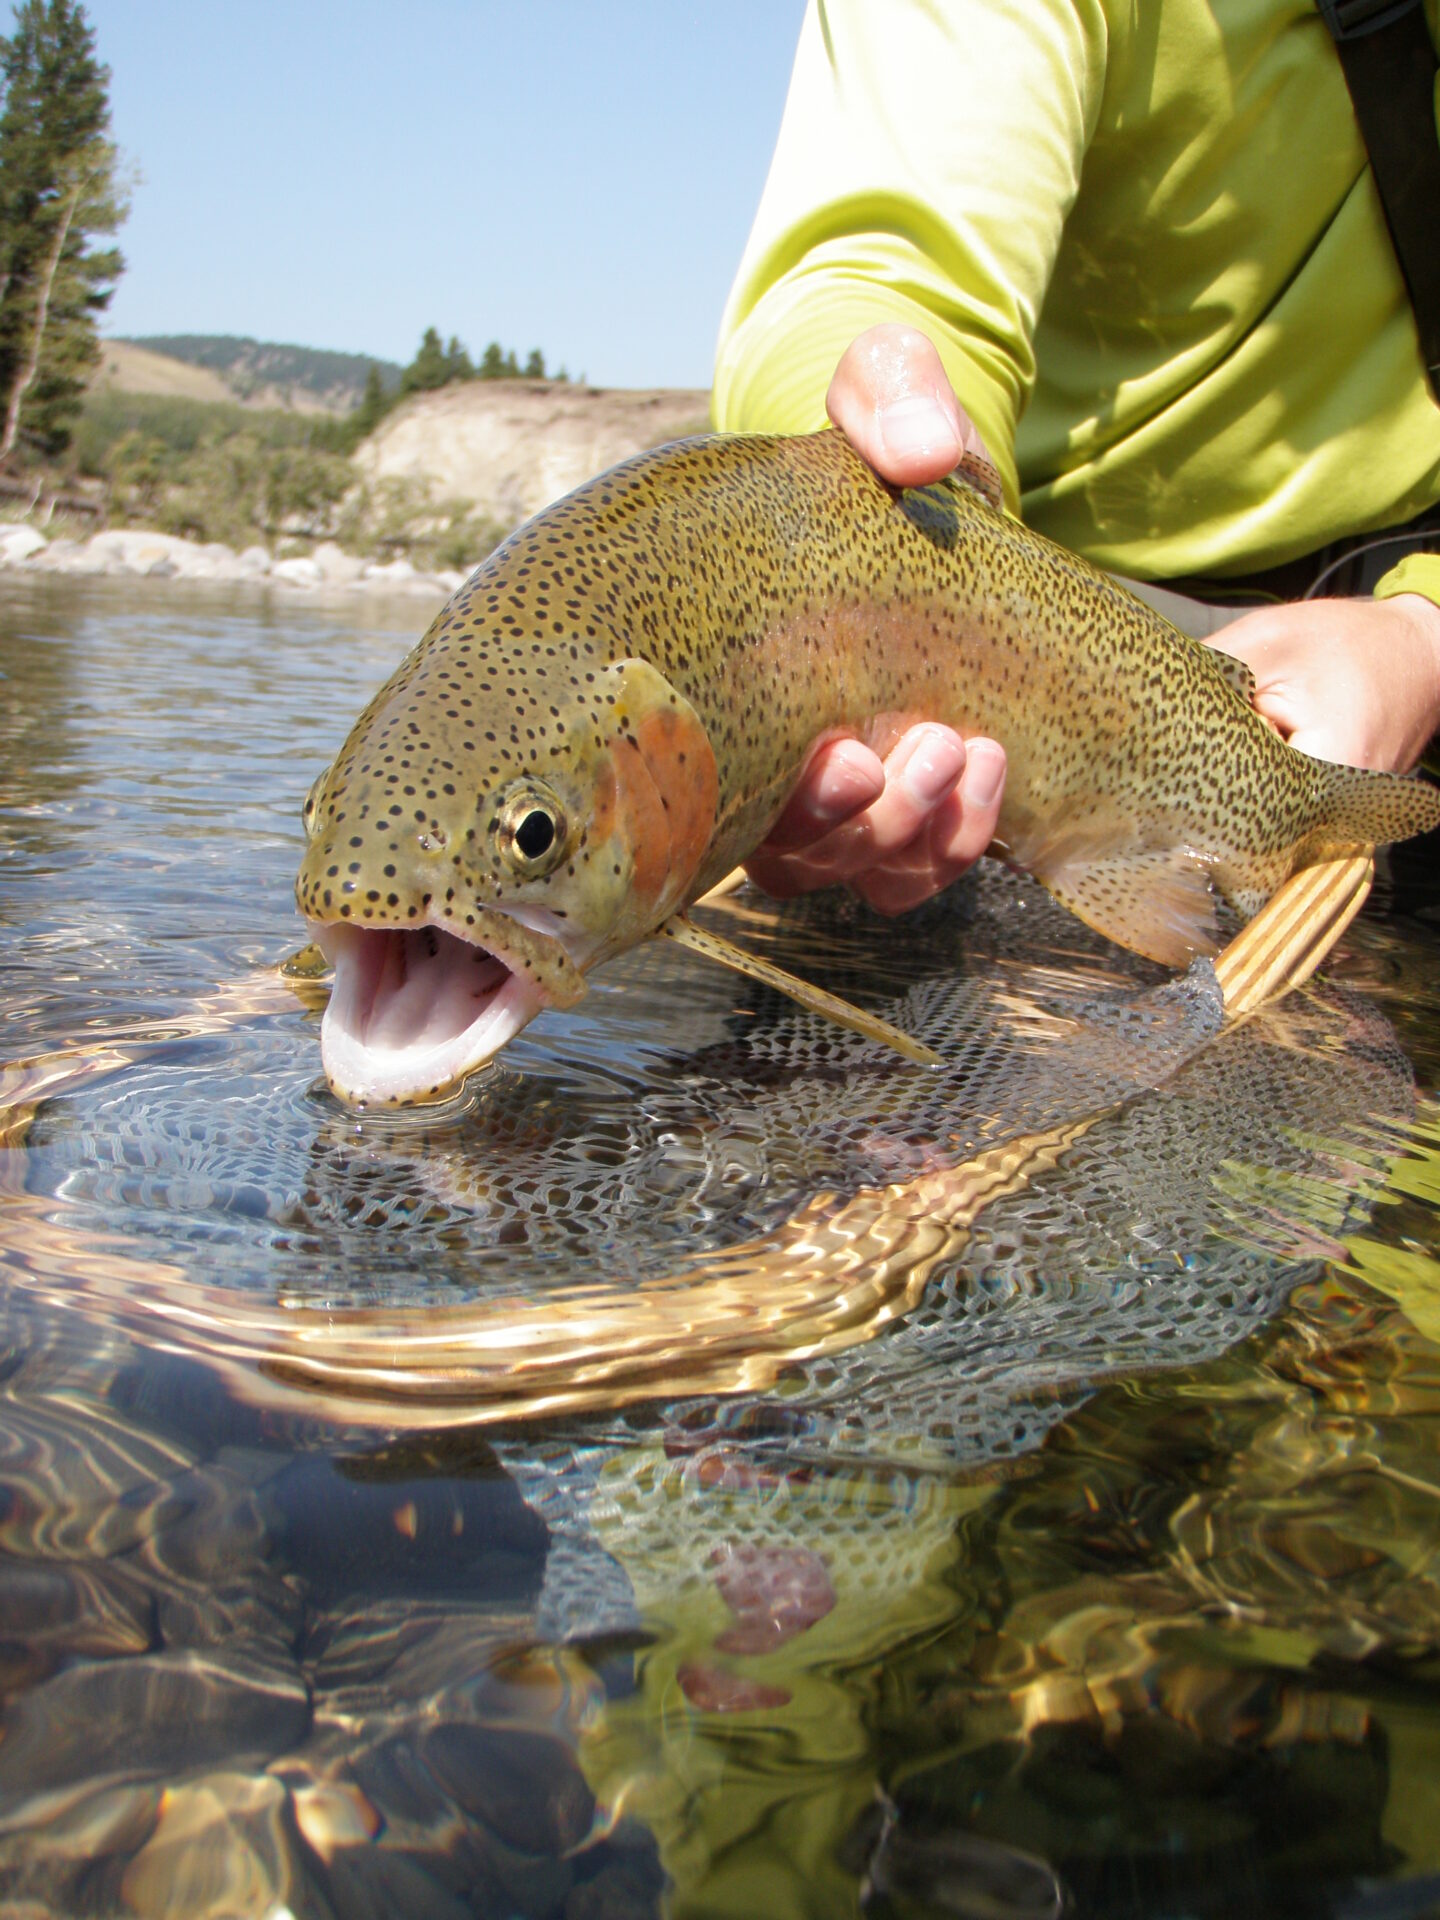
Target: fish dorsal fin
(975, 474)
(1233, 671)
(715, 947)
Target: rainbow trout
(612, 712)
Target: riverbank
(418, 506)
(139, 554)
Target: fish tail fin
(1356, 808)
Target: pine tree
(492, 362)
(57, 191)
(373, 405)
(429, 369)
(457, 361)
(535, 365)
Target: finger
(977, 810)
(954, 838)
(842, 778)
(893, 401)
(920, 772)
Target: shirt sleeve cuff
(1416, 573)
(773, 371)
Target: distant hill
(126, 368)
(266, 373)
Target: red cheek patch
(667, 786)
(681, 760)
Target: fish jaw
(416, 1009)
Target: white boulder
(128, 550)
(19, 542)
(391, 573)
(70, 556)
(336, 566)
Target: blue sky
(575, 176)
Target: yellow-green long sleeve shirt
(1147, 244)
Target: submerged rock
(69, 1837)
(396, 1521)
(524, 1787)
(151, 1716)
(221, 1850)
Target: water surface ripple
(1010, 1491)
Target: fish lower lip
(414, 1010)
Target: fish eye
(532, 831)
(535, 834)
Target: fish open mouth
(414, 1010)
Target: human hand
(901, 828)
(898, 829)
(1351, 680)
(893, 401)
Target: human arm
(925, 165)
(930, 158)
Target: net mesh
(561, 1178)
(1208, 1166)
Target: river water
(712, 1469)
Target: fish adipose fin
(1159, 902)
(975, 474)
(714, 947)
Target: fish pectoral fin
(306, 963)
(307, 974)
(1159, 902)
(715, 947)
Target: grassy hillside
(126, 368)
(266, 369)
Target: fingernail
(918, 424)
(934, 766)
(984, 773)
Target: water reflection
(1100, 1571)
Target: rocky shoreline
(137, 554)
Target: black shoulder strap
(1389, 62)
